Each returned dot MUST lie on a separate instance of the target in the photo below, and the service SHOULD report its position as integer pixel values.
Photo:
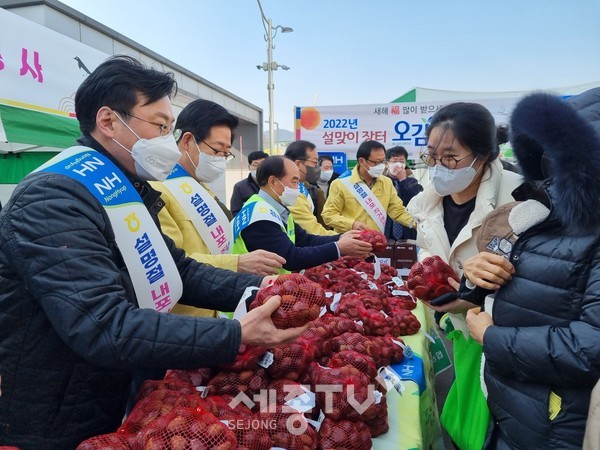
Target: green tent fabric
(25, 126)
(410, 96)
(15, 166)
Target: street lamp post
(276, 136)
(270, 66)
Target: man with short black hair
(246, 188)
(87, 276)
(308, 207)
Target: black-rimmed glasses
(376, 162)
(450, 162)
(164, 129)
(227, 155)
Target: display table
(413, 416)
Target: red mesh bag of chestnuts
(187, 428)
(301, 300)
(428, 279)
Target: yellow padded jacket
(176, 224)
(341, 209)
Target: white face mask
(376, 171)
(209, 168)
(253, 173)
(450, 181)
(154, 158)
(326, 175)
(289, 195)
(393, 167)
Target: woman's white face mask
(451, 181)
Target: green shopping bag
(465, 414)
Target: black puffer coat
(546, 342)
(70, 329)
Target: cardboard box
(387, 256)
(405, 255)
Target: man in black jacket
(246, 188)
(85, 272)
(406, 187)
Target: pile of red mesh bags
(344, 346)
(428, 279)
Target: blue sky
(360, 52)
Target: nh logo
(107, 184)
(88, 166)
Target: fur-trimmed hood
(543, 125)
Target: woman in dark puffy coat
(542, 347)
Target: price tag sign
(376, 267)
(203, 391)
(267, 360)
(439, 354)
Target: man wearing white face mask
(87, 278)
(327, 175)
(266, 223)
(362, 199)
(406, 186)
(193, 216)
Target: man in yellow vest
(193, 216)
(362, 198)
(308, 207)
(266, 223)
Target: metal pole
(270, 86)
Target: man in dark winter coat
(246, 188)
(542, 339)
(406, 186)
(86, 275)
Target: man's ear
(105, 118)
(187, 140)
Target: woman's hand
(478, 322)
(488, 271)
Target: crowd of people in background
(81, 299)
